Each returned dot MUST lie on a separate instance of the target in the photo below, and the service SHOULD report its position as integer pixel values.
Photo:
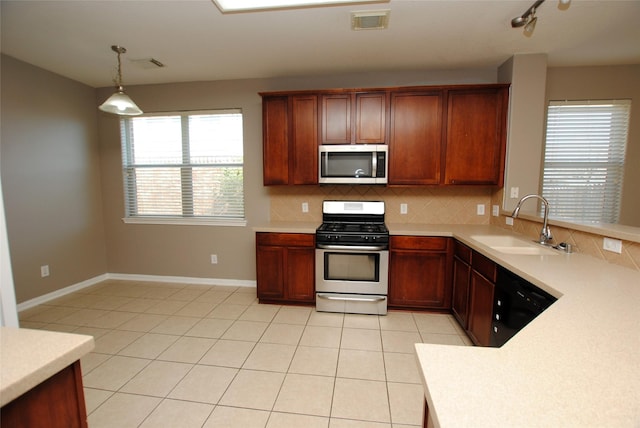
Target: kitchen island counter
(30, 357)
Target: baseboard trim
(131, 277)
(182, 279)
(61, 292)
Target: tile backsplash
(437, 205)
(582, 242)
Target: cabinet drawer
(484, 266)
(418, 243)
(286, 239)
(462, 252)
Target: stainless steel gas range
(352, 258)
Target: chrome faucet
(545, 233)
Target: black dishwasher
(516, 302)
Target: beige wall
(62, 179)
(527, 75)
(185, 250)
(608, 82)
(50, 178)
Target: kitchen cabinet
(476, 135)
(290, 139)
(437, 135)
(354, 117)
(285, 267)
(420, 272)
(57, 402)
(483, 279)
(461, 283)
(415, 140)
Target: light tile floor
(180, 355)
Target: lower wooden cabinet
(483, 278)
(461, 283)
(58, 402)
(420, 272)
(285, 267)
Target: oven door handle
(352, 299)
(352, 247)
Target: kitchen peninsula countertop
(29, 357)
(577, 364)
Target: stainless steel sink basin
(511, 245)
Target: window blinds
(184, 165)
(584, 159)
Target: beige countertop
(29, 357)
(577, 364)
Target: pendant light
(119, 103)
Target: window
(183, 166)
(584, 159)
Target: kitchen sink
(511, 245)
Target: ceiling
(197, 42)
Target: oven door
(356, 270)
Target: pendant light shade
(119, 103)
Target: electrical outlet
(509, 221)
(515, 191)
(305, 207)
(403, 208)
(495, 210)
(480, 209)
(613, 245)
(44, 271)
(214, 259)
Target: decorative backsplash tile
(582, 242)
(437, 205)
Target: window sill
(184, 221)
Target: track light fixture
(119, 103)
(528, 19)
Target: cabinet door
(475, 142)
(480, 309)
(415, 138)
(371, 118)
(275, 136)
(270, 271)
(419, 272)
(336, 119)
(460, 296)
(301, 274)
(304, 140)
(57, 402)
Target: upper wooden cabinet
(290, 139)
(415, 141)
(475, 136)
(356, 117)
(437, 135)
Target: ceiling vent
(147, 63)
(370, 20)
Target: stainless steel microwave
(353, 164)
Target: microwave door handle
(374, 165)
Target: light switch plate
(495, 210)
(509, 221)
(305, 207)
(403, 208)
(480, 209)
